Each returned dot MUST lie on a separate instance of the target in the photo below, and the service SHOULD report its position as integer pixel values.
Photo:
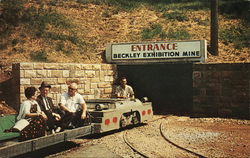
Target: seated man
(123, 90)
(74, 107)
(48, 108)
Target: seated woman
(31, 111)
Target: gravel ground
(209, 137)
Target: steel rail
(131, 146)
(174, 144)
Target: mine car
(111, 114)
(103, 115)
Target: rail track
(144, 154)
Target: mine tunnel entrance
(168, 86)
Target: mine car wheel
(136, 118)
(122, 123)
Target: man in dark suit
(48, 107)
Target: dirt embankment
(98, 25)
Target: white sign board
(173, 51)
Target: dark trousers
(71, 117)
(51, 122)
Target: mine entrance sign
(151, 52)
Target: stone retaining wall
(94, 80)
(221, 90)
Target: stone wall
(221, 90)
(94, 80)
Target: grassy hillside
(78, 30)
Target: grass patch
(156, 30)
(179, 34)
(179, 16)
(121, 5)
(39, 56)
(239, 36)
(153, 31)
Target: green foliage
(156, 30)
(239, 36)
(178, 34)
(120, 4)
(39, 56)
(179, 16)
(60, 47)
(38, 19)
(12, 11)
(153, 31)
(235, 9)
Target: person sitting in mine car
(47, 106)
(123, 90)
(31, 121)
(74, 107)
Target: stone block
(22, 74)
(36, 81)
(61, 80)
(38, 66)
(109, 72)
(93, 85)
(75, 66)
(65, 73)
(72, 73)
(56, 73)
(106, 66)
(104, 85)
(26, 66)
(64, 88)
(86, 67)
(25, 81)
(108, 79)
(107, 90)
(87, 86)
(29, 73)
(90, 97)
(79, 73)
(51, 66)
(90, 73)
(56, 89)
(95, 80)
(50, 80)
(41, 73)
(96, 66)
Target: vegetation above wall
(78, 30)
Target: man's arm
(84, 110)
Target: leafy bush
(239, 36)
(179, 34)
(154, 30)
(179, 16)
(39, 56)
(12, 11)
(236, 9)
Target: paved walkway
(95, 151)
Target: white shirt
(126, 92)
(73, 103)
(25, 108)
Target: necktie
(47, 103)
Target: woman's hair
(29, 92)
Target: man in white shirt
(123, 90)
(74, 106)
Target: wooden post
(214, 27)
